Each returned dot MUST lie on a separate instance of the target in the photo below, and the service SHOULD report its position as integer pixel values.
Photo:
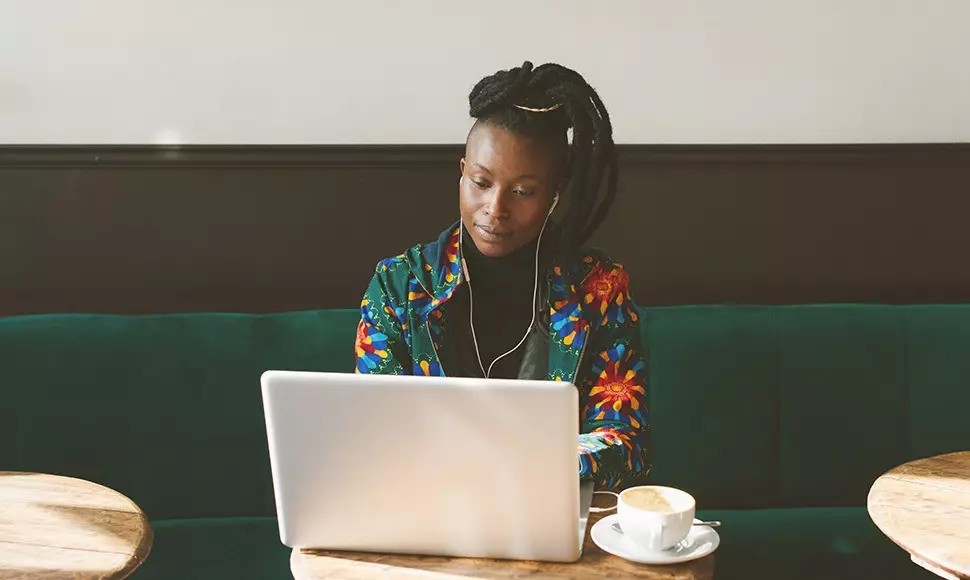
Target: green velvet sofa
(776, 418)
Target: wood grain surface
(924, 506)
(61, 527)
(595, 563)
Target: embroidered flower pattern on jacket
(617, 391)
(565, 315)
(371, 344)
(428, 368)
(601, 293)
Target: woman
(507, 292)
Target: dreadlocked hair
(590, 158)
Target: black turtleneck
(502, 289)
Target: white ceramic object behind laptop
(441, 466)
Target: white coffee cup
(653, 516)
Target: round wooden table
(595, 563)
(924, 506)
(60, 527)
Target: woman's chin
(494, 248)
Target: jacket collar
(437, 266)
(438, 270)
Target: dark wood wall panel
(268, 228)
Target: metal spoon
(713, 524)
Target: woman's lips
(492, 235)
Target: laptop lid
(442, 466)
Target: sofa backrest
(751, 406)
(803, 405)
(165, 409)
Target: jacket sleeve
(613, 393)
(381, 346)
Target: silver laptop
(419, 465)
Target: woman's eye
(480, 184)
(523, 192)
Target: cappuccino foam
(648, 499)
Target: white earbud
(555, 202)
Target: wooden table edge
(918, 559)
(144, 547)
(941, 572)
(298, 556)
(142, 550)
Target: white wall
(395, 71)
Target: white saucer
(701, 541)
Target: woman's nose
(497, 205)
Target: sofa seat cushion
(807, 543)
(238, 548)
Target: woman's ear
(561, 187)
(461, 166)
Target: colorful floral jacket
(594, 343)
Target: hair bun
(500, 89)
(523, 73)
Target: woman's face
(507, 186)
